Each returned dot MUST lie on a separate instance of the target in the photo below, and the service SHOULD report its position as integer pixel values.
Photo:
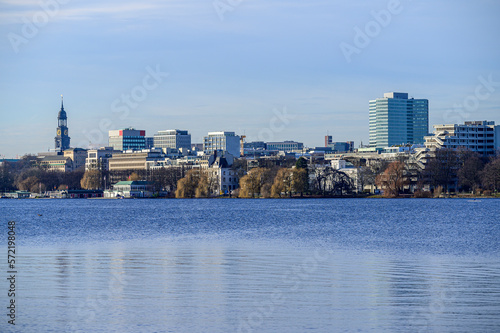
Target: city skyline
(320, 62)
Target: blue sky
(264, 58)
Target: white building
(222, 141)
(131, 189)
(482, 137)
(223, 177)
(349, 170)
(175, 139)
(98, 159)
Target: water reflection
(264, 286)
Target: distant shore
(403, 196)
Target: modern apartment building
(397, 119)
(128, 138)
(222, 141)
(482, 137)
(175, 139)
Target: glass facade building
(285, 146)
(222, 141)
(174, 139)
(126, 139)
(398, 120)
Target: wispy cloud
(12, 12)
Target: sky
(272, 70)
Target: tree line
(449, 171)
(25, 175)
(273, 179)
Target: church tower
(62, 138)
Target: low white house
(131, 189)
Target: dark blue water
(255, 265)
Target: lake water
(332, 265)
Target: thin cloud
(85, 11)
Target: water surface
(329, 265)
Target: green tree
(301, 163)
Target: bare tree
(469, 174)
(490, 176)
(91, 180)
(393, 180)
(442, 169)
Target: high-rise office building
(174, 139)
(397, 119)
(128, 138)
(222, 141)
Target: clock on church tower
(62, 139)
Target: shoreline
(476, 198)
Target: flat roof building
(398, 120)
(175, 139)
(285, 146)
(222, 141)
(98, 159)
(134, 160)
(78, 157)
(128, 138)
(482, 137)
